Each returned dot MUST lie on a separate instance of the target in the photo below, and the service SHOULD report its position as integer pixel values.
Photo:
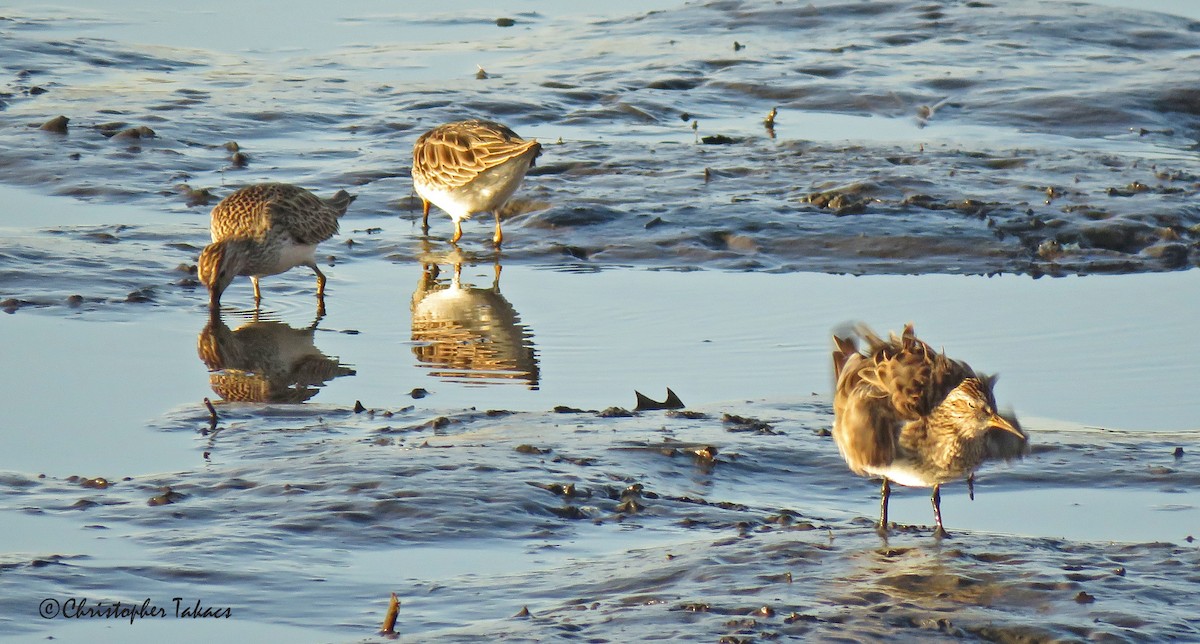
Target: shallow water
(919, 146)
(964, 137)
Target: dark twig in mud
(212, 415)
(389, 620)
(644, 403)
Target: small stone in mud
(194, 196)
(231, 146)
(1178, 452)
(737, 46)
(744, 424)
(481, 73)
(615, 412)
(765, 611)
(505, 22)
(140, 296)
(630, 506)
(1084, 597)
(83, 504)
(559, 488)
(98, 483)
(523, 613)
(707, 453)
(530, 449)
(682, 413)
(358, 407)
(239, 160)
(37, 90)
(1049, 249)
(167, 497)
(570, 512)
(75, 301)
(418, 393)
(135, 133)
(563, 409)
(718, 139)
(58, 125)
(797, 617)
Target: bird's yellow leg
(499, 236)
(320, 281)
(457, 232)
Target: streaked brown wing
(242, 214)
(305, 216)
(453, 155)
(865, 423)
(913, 376)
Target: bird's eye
(972, 404)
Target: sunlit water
(920, 146)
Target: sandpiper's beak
(1000, 422)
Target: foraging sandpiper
(266, 229)
(912, 416)
(469, 167)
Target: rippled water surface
(1019, 179)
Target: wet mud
(677, 525)
(887, 137)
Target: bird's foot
(940, 533)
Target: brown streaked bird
(469, 167)
(912, 416)
(267, 229)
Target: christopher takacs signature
(80, 607)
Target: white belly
(901, 473)
(290, 256)
(484, 193)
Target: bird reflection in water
(265, 361)
(470, 334)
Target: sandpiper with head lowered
(912, 416)
(469, 167)
(267, 229)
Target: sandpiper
(912, 416)
(266, 229)
(469, 167)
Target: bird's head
(219, 263)
(972, 407)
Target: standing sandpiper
(266, 229)
(910, 415)
(470, 167)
